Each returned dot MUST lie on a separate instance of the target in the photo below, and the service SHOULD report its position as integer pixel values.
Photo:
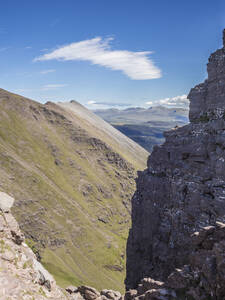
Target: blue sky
(88, 50)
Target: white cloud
(150, 103)
(47, 71)
(136, 65)
(52, 86)
(105, 105)
(178, 101)
(91, 103)
(46, 87)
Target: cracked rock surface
(182, 190)
(21, 275)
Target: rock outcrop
(181, 192)
(21, 275)
(202, 278)
(89, 293)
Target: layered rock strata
(183, 188)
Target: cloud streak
(178, 101)
(52, 86)
(108, 103)
(47, 71)
(136, 65)
(105, 105)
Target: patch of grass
(53, 212)
(42, 292)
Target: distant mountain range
(145, 126)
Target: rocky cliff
(181, 192)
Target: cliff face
(183, 188)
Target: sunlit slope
(101, 129)
(72, 190)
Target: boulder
(6, 202)
(110, 294)
(89, 293)
(72, 289)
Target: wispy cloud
(28, 47)
(47, 71)
(136, 65)
(46, 87)
(178, 101)
(52, 86)
(104, 105)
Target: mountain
(145, 126)
(177, 237)
(97, 127)
(72, 185)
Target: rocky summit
(178, 210)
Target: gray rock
(183, 190)
(110, 294)
(88, 293)
(6, 202)
(41, 279)
(71, 289)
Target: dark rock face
(183, 188)
(203, 278)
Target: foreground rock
(90, 293)
(181, 192)
(202, 278)
(21, 275)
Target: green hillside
(72, 188)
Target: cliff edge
(182, 191)
(21, 275)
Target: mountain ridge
(145, 126)
(72, 191)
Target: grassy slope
(72, 191)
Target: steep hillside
(101, 129)
(145, 126)
(72, 190)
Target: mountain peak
(207, 98)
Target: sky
(108, 53)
